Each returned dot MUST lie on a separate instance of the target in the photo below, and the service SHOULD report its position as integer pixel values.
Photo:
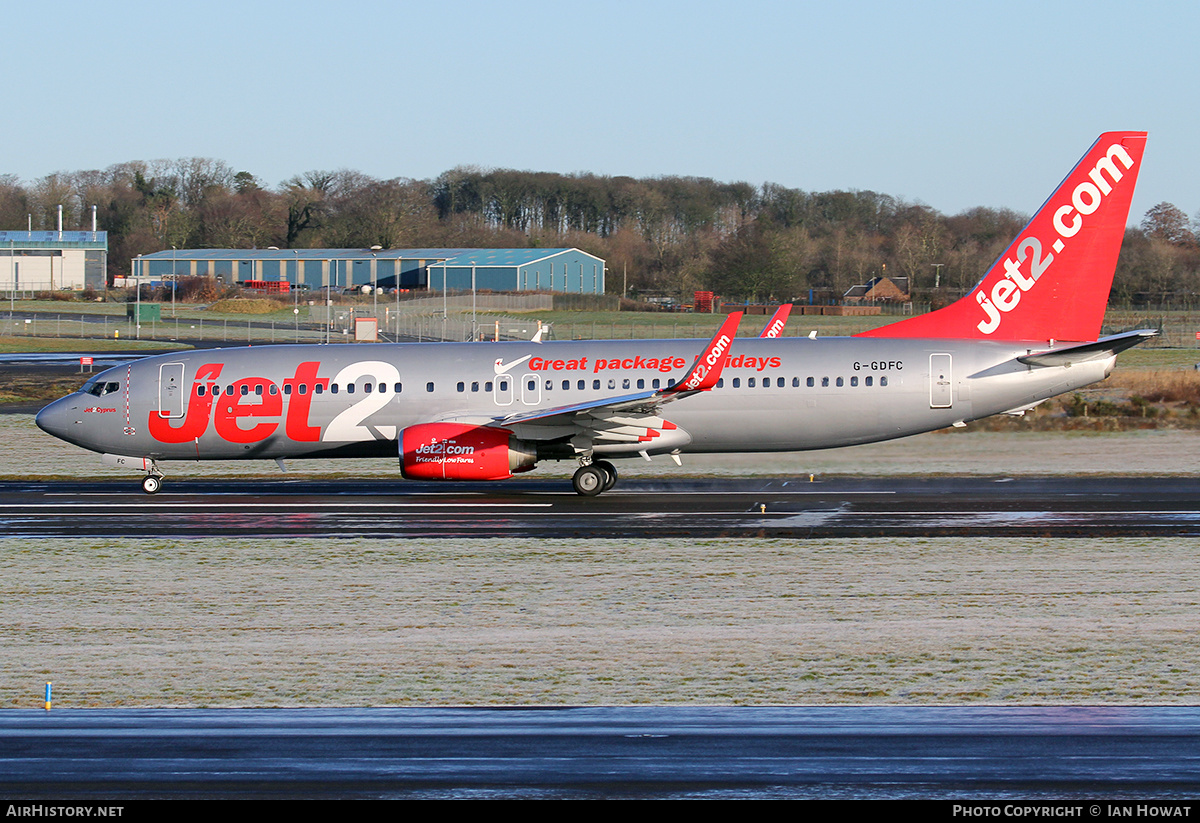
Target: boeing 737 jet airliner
(485, 411)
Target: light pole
(329, 303)
(174, 280)
(137, 312)
(295, 293)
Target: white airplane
(485, 411)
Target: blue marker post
(48, 696)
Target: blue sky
(949, 104)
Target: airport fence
(1179, 330)
(339, 329)
(92, 326)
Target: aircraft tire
(610, 470)
(151, 483)
(589, 480)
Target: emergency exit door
(170, 390)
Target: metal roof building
(53, 260)
(563, 270)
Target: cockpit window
(99, 388)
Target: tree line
(666, 236)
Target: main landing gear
(594, 478)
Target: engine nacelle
(460, 451)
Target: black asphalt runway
(888, 507)
(969, 754)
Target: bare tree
(1167, 222)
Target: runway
(779, 507)
(968, 754)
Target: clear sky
(952, 104)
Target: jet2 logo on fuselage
(231, 410)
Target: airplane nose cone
(57, 418)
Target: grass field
(21, 345)
(345, 622)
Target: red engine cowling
(459, 451)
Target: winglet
(1103, 348)
(778, 321)
(708, 366)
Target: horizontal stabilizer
(1103, 348)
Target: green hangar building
(507, 270)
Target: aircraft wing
(627, 418)
(560, 415)
(1083, 352)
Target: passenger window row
(302, 388)
(100, 389)
(809, 382)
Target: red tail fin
(774, 328)
(1052, 283)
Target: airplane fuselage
(784, 394)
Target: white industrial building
(32, 261)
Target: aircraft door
(502, 390)
(170, 390)
(531, 389)
(941, 381)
